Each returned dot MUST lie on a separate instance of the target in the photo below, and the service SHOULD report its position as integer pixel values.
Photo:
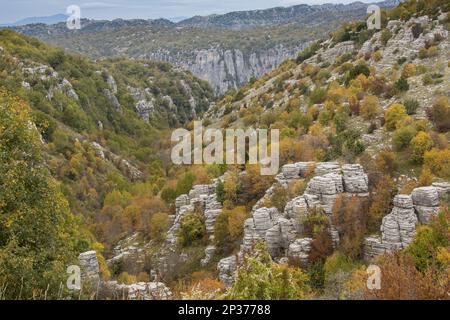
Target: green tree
(192, 229)
(37, 230)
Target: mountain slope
(101, 124)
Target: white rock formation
(398, 228)
(90, 270)
(282, 231)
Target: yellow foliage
(393, 115)
(370, 108)
(409, 70)
(125, 278)
(420, 144)
(438, 161)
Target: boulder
(200, 190)
(299, 250)
(373, 247)
(326, 167)
(443, 189)
(209, 253)
(181, 201)
(355, 180)
(426, 197)
(291, 171)
(262, 219)
(227, 268)
(210, 221)
(403, 201)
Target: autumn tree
(393, 115)
(229, 229)
(370, 108)
(350, 220)
(420, 144)
(381, 202)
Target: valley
(363, 116)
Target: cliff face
(226, 69)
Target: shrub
(337, 270)
(74, 117)
(350, 220)
(192, 229)
(318, 95)
(377, 56)
(420, 144)
(308, 52)
(370, 108)
(438, 161)
(429, 240)
(125, 278)
(279, 197)
(261, 279)
(45, 125)
(220, 191)
(403, 136)
(393, 115)
(439, 114)
(401, 280)
(427, 80)
(426, 178)
(228, 229)
(402, 84)
(159, 224)
(386, 162)
(409, 70)
(411, 106)
(356, 71)
(386, 35)
(423, 53)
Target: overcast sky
(13, 10)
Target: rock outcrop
(141, 290)
(398, 228)
(282, 231)
(90, 270)
(137, 291)
(299, 250)
(201, 199)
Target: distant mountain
(299, 14)
(226, 50)
(49, 20)
(178, 19)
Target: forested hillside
(99, 130)
(364, 119)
